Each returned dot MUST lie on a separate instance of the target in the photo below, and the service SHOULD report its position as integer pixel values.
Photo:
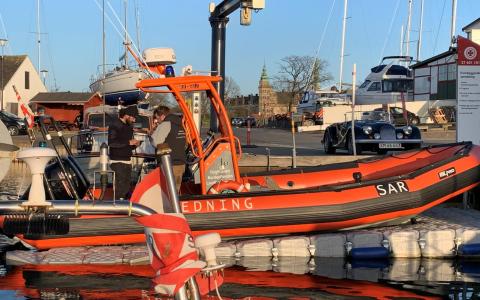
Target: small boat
(118, 86)
(310, 107)
(387, 83)
(217, 197)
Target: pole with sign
(468, 94)
(468, 91)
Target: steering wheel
(191, 158)
(209, 140)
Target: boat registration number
(389, 145)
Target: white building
(19, 71)
(436, 77)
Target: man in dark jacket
(121, 143)
(170, 131)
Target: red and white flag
(152, 192)
(169, 239)
(172, 251)
(27, 112)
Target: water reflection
(15, 182)
(255, 277)
(248, 277)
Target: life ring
(228, 186)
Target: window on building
(27, 80)
(452, 72)
(447, 82)
(443, 73)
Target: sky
(71, 34)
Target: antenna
(454, 21)
(342, 51)
(125, 58)
(38, 34)
(104, 55)
(419, 44)
(137, 24)
(409, 25)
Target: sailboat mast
(409, 25)
(419, 44)
(137, 25)
(454, 21)
(38, 34)
(126, 36)
(104, 58)
(342, 51)
(401, 41)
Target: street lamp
(3, 43)
(44, 75)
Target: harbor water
(258, 277)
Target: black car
(397, 117)
(237, 122)
(243, 122)
(373, 134)
(14, 124)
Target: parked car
(374, 134)
(243, 122)
(14, 124)
(237, 122)
(397, 118)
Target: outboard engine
(56, 183)
(59, 186)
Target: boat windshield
(96, 120)
(364, 85)
(395, 85)
(376, 116)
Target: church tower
(266, 95)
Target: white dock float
(404, 243)
(438, 243)
(254, 247)
(226, 249)
(292, 246)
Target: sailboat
(118, 85)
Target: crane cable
(321, 42)
(121, 34)
(395, 12)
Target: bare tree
(161, 99)
(300, 73)
(232, 90)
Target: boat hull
(379, 199)
(118, 87)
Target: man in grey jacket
(170, 131)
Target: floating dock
(442, 232)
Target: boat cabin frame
(199, 83)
